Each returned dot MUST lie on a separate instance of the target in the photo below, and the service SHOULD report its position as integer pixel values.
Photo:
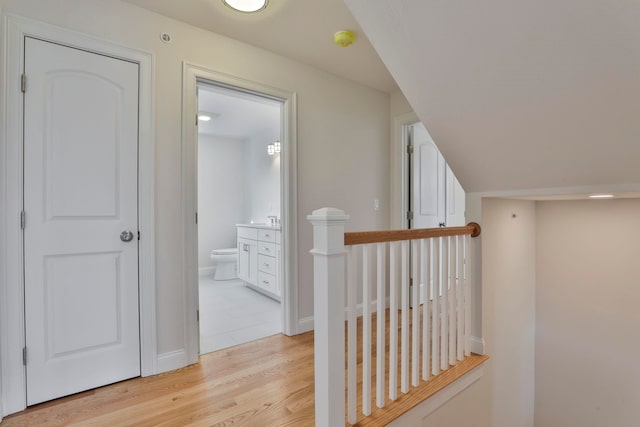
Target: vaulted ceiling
(519, 94)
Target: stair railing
(429, 324)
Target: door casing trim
(14, 29)
(191, 75)
(399, 170)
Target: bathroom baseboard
(206, 271)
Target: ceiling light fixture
(601, 196)
(204, 118)
(247, 6)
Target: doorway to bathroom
(239, 216)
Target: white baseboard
(477, 345)
(206, 271)
(172, 360)
(305, 325)
(415, 416)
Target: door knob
(126, 236)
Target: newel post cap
(328, 214)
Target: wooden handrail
(362, 237)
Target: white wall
(343, 132)
(262, 180)
(220, 186)
(469, 409)
(508, 280)
(398, 104)
(587, 315)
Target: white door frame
(399, 170)
(191, 76)
(12, 336)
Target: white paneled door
(81, 220)
(427, 181)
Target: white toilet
(225, 262)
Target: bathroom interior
(239, 211)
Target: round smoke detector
(344, 38)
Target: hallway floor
(232, 314)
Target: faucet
(273, 220)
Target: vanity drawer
(247, 233)
(267, 281)
(265, 248)
(267, 264)
(266, 235)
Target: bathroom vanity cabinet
(259, 263)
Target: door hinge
(197, 315)
(23, 83)
(409, 149)
(196, 120)
(196, 218)
(23, 219)
(24, 356)
(409, 215)
(138, 235)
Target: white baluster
(415, 322)
(366, 333)
(444, 281)
(352, 335)
(435, 306)
(467, 295)
(460, 296)
(425, 279)
(381, 309)
(393, 321)
(453, 297)
(404, 351)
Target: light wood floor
(265, 383)
(268, 382)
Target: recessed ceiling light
(205, 116)
(247, 6)
(601, 196)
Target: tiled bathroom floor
(232, 314)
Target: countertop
(259, 225)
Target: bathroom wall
(221, 179)
(262, 179)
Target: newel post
(328, 311)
